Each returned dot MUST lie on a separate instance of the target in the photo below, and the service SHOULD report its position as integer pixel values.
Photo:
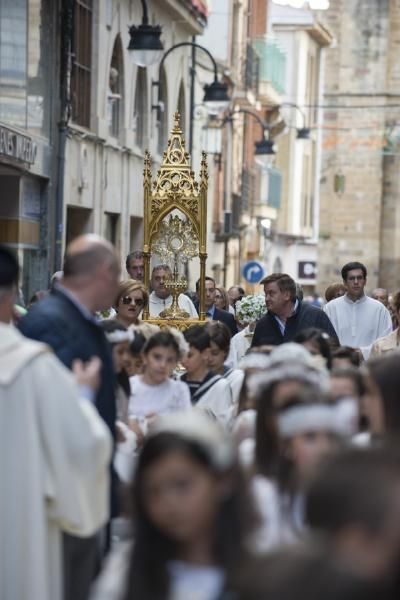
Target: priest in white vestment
(160, 298)
(54, 463)
(54, 457)
(358, 320)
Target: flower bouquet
(250, 308)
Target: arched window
(140, 111)
(115, 90)
(163, 114)
(181, 108)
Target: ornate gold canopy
(175, 213)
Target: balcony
(268, 200)
(272, 70)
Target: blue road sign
(253, 271)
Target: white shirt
(282, 520)
(240, 343)
(163, 398)
(194, 582)
(359, 324)
(157, 305)
(217, 402)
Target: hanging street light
(216, 97)
(264, 154)
(145, 45)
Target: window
(112, 228)
(26, 64)
(115, 90)
(140, 113)
(82, 62)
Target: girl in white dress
(191, 517)
(296, 427)
(154, 392)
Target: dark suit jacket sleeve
(232, 324)
(51, 332)
(257, 335)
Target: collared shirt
(359, 324)
(157, 305)
(282, 324)
(81, 307)
(210, 312)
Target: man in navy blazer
(212, 312)
(65, 321)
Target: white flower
(250, 308)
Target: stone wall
(361, 70)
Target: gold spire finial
(177, 123)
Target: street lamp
(216, 97)
(303, 133)
(145, 45)
(264, 153)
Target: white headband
(117, 337)
(340, 418)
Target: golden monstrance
(175, 224)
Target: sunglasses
(129, 300)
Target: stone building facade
(359, 193)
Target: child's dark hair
(356, 487)
(313, 334)
(268, 451)
(347, 353)
(219, 334)
(137, 344)
(148, 574)
(198, 337)
(165, 339)
(111, 325)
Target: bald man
(65, 321)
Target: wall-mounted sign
(17, 146)
(307, 269)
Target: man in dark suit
(212, 312)
(287, 315)
(65, 321)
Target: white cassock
(157, 305)
(359, 324)
(54, 463)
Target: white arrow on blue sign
(253, 271)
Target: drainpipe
(67, 20)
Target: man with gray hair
(160, 298)
(381, 295)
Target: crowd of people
(253, 456)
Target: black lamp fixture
(303, 133)
(145, 44)
(264, 154)
(216, 97)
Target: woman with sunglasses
(131, 299)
